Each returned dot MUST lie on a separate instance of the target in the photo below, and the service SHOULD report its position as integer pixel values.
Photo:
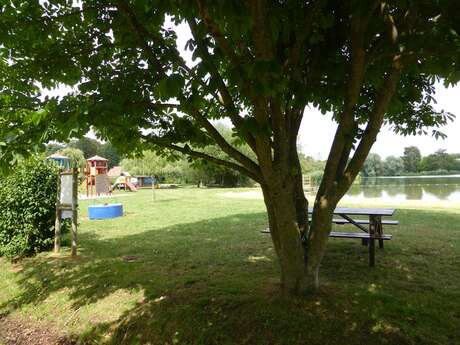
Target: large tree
(412, 158)
(89, 147)
(373, 166)
(257, 63)
(108, 151)
(440, 160)
(393, 166)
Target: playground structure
(97, 180)
(126, 182)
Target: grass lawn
(191, 267)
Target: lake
(425, 188)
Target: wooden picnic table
(371, 228)
(369, 234)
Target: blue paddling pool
(105, 211)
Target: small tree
(310, 165)
(152, 164)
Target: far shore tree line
(412, 163)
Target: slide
(131, 187)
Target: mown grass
(204, 274)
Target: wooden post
(57, 224)
(74, 210)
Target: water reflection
(413, 192)
(411, 188)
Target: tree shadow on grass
(212, 282)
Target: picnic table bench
(370, 233)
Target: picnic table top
(362, 211)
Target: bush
(27, 209)
(316, 177)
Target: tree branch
(142, 33)
(262, 42)
(232, 111)
(343, 139)
(202, 120)
(222, 143)
(294, 52)
(282, 133)
(385, 93)
(224, 45)
(188, 151)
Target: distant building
(144, 181)
(62, 161)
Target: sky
(317, 131)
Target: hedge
(27, 209)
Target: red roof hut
(97, 165)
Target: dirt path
(20, 332)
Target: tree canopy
(299, 56)
(89, 147)
(257, 64)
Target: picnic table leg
(380, 232)
(372, 223)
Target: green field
(191, 267)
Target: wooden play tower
(96, 169)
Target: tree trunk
(318, 236)
(282, 207)
(300, 247)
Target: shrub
(27, 209)
(316, 177)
